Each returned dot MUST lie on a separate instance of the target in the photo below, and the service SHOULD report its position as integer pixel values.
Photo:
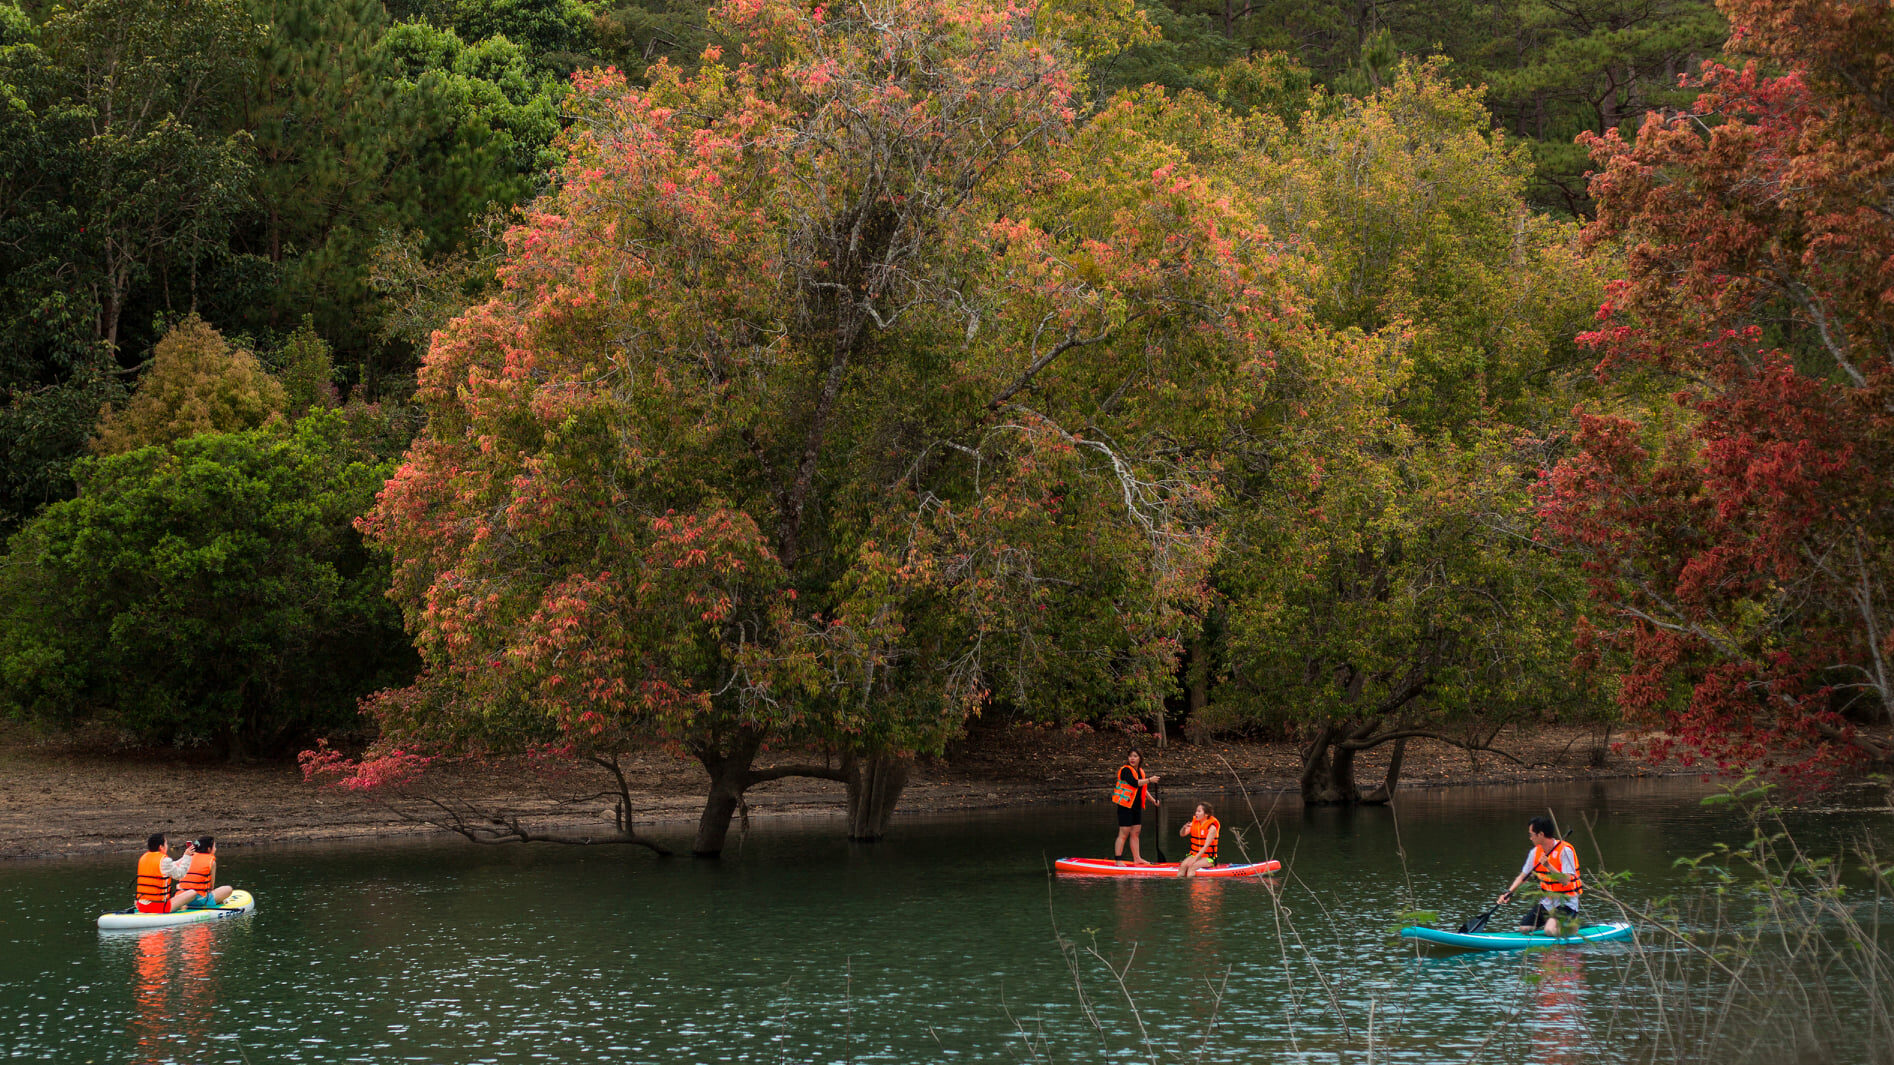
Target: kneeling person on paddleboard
(1555, 863)
(195, 890)
(154, 890)
(1203, 830)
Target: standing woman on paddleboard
(1130, 795)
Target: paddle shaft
(1157, 846)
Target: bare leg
(220, 895)
(1136, 858)
(1118, 851)
(182, 899)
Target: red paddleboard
(1108, 867)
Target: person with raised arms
(155, 890)
(195, 890)
(1203, 830)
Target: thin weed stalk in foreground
(1773, 954)
(1770, 955)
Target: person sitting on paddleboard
(1203, 830)
(155, 888)
(1131, 793)
(194, 887)
(1555, 863)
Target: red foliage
(1742, 548)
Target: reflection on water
(939, 944)
(174, 991)
(1557, 1025)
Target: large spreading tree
(1379, 581)
(841, 388)
(1741, 542)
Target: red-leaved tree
(1741, 544)
(831, 395)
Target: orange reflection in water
(1558, 1014)
(173, 992)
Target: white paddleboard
(238, 904)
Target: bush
(212, 590)
(198, 384)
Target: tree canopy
(1739, 541)
(831, 395)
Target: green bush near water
(211, 590)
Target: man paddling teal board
(1554, 863)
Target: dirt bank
(60, 799)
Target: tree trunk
(874, 787)
(1328, 771)
(719, 807)
(1198, 681)
(1384, 794)
(729, 769)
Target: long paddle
(1157, 847)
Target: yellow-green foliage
(197, 384)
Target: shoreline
(61, 801)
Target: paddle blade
(1477, 923)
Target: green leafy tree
(306, 371)
(155, 170)
(1382, 580)
(197, 384)
(119, 178)
(829, 398)
(555, 34)
(1556, 70)
(209, 591)
(366, 129)
(1553, 70)
(635, 34)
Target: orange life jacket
(153, 885)
(202, 875)
(1544, 868)
(1200, 831)
(1126, 793)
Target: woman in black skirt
(1130, 794)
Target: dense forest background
(1334, 456)
(349, 163)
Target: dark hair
(1543, 826)
(1208, 810)
(155, 842)
(205, 843)
(1133, 751)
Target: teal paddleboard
(1595, 933)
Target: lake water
(941, 943)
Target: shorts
(202, 902)
(149, 906)
(1130, 816)
(1545, 909)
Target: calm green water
(936, 945)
